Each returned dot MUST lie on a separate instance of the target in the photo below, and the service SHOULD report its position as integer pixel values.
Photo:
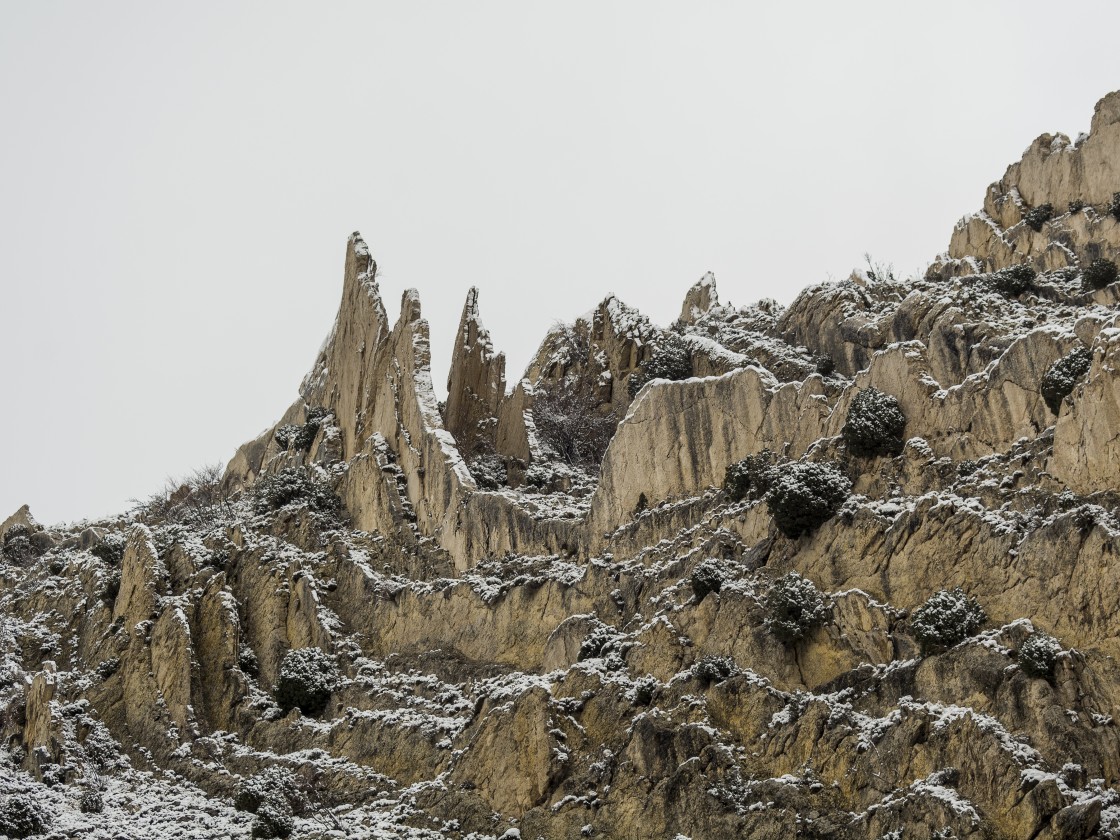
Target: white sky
(177, 182)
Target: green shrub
(91, 802)
(300, 437)
(21, 817)
(1038, 654)
(795, 606)
(295, 484)
(875, 424)
(946, 619)
(489, 471)
(110, 549)
(1099, 274)
(1076, 206)
(111, 588)
(307, 678)
(273, 782)
(1013, 281)
(1061, 377)
(824, 364)
(706, 577)
(806, 495)
(1114, 206)
(714, 669)
(642, 504)
(17, 546)
(671, 359)
(247, 662)
(751, 477)
(1036, 217)
(273, 820)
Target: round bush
(751, 477)
(307, 678)
(1061, 377)
(1036, 217)
(707, 577)
(1076, 206)
(824, 365)
(947, 618)
(274, 819)
(796, 606)
(875, 424)
(91, 802)
(1099, 274)
(805, 495)
(714, 669)
(20, 817)
(273, 782)
(644, 689)
(1038, 654)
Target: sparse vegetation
(1076, 206)
(805, 495)
(489, 471)
(1098, 274)
(273, 782)
(1036, 217)
(795, 607)
(1038, 654)
(750, 478)
(825, 365)
(307, 678)
(1114, 206)
(197, 497)
(110, 548)
(644, 689)
(875, 424)
(946, 619)
(300, 437)
(707, 577)
(574, 425)
(18, 547)
(1062, 377)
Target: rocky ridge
(545, 613)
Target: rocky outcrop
(700, 299)
(475, 385)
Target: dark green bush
(489, 471)
(714, 669)
(644, 689)
(300, 437)
(272, 783)
(1114, 206)
(307, 678)
(751, 477)
(1099, 274)
(824, 364)
(110, 549)
(1036, 217)
(947, 618)
(875, 424)
(1014, 281)
(795, 606)
(247, 662)
(1076, 206)
(273, 820)
(18, 547)
(295, 484)
(1038, 654)
(21, 817)
(707, 577)
(91, 802)
(111, 587)
(806, 495)
(642, 504)
(1061, 377)
(671, 359)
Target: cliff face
(542, 613)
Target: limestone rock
(476, 383)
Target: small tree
(274, 782)
(750, 478)
(273, 820)
(295, 484)
(571, 422)
(1100, 273)
(707, 577)
(1014, 281)
(796, 606)
(307, 678)
(946, 619)
(1038, 654)
(805, 495)
(1062, 377)
(21, 817)
(1076, 206)
(875, 424)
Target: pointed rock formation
(476, 384)
(701, 298)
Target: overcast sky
(178, 180)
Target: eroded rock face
(512, 642)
